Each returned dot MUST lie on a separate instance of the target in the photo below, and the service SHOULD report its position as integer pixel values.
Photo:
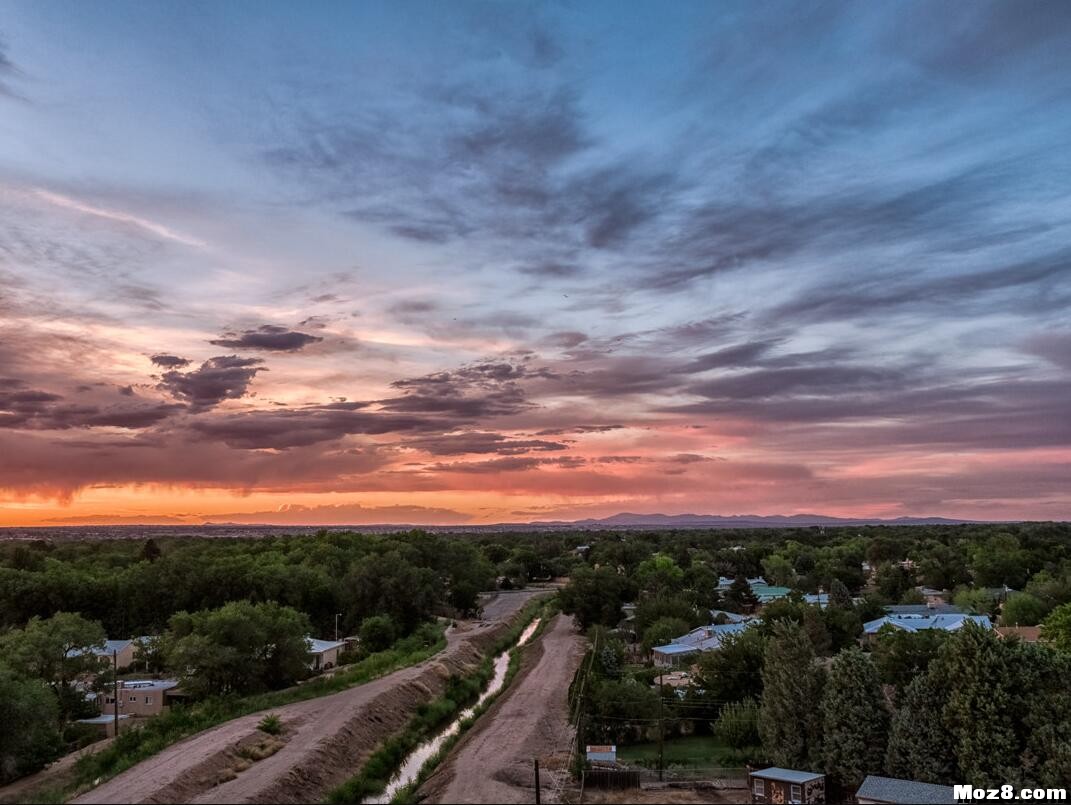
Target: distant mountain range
(622, 521)
(631, 520)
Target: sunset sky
(482, 262)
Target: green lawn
(694, 750)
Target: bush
(377, 633)
(738, 724)
(270, 724)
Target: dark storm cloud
(471, 442)
(169, 361)
(226, 377)
(269, 337)
(300, 427)
(34, 409)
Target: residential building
(763, 591)
(915, 623)
(139, 697)
(1027, 634)
(323, 654)
(820, 600)
(776, 785)
(602, 754)
(697, 641)
(719, 616)
(933, 596)
(938, 608)
(887, 790)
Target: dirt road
(327, 740)
(493, 761)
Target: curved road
(320, 735)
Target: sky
(464, 262)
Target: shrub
(270, 724)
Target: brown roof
(1028, 634)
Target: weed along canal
(416, 759)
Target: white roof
(947, 622)
(703, 638)
(320, 646)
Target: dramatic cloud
(169, 361)
(223, 378)
(268, 337)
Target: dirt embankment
(493, 761)
(325, 740)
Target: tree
(839, 597)
(239, 648)
(919, 747)
(1023, 609)
(659, 574)
(981, 711)
(663, 631)
(739, 597)
(1056, 628)
(976, 601)
(893, 581)
(377, 633)
(734, 671)
(902, 656)
(854, 719)
(595, 596)
(150, 551)
(29, 739)
(998, 561)
(779, 570)
(738, 724)
(792, 685)
(56, 650)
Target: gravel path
(327, 739)
(493, 761)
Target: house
(820, 600)
(889, 790)
(123, 651)
(923, 609)
(1027, 634)
(697, 641)
(140, 697)
(104, 724)
(786, 785)
(719, 616)
(914, 623)
(323, 654)
(933, 596)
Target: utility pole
(536, 762)
(115, 689)
(337, 615)
(661, 738)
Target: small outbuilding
(890, 791)
(777, 785)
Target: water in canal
(419, 756)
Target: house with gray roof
(951, 622)
(697, 641)
(882, 790)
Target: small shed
(602, 753)
(890, 791)
(777, 785)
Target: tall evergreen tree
(918, 744)
(792, 685)
(839, 597)
(854, 719)
(739, 597)
(982, 707)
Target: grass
(135, 745)
(434, 716)
(270, 724)
(692, 750)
